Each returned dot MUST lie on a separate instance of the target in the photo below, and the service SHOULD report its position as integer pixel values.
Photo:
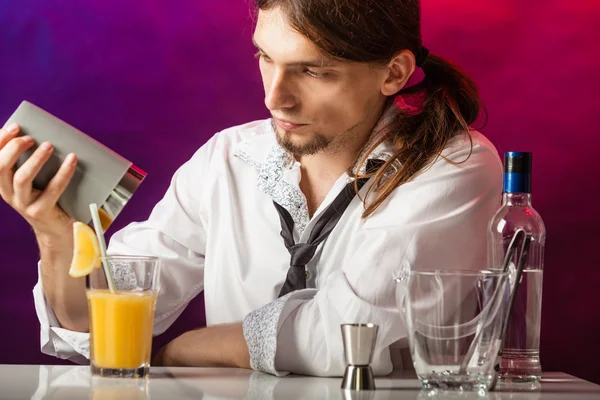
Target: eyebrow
(317, 63)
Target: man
(333, 80)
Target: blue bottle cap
(517, 172)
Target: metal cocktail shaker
(102, 176)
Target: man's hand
(215, 346)
(39, 208)
(53, 228)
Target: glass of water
(454, 321)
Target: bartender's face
(317, 103)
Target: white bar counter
(37, 382)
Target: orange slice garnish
(86, 251)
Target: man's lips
(287, 125)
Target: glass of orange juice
(121, 321)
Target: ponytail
(447, 104)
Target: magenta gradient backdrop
(154, 80)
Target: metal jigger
(359, 343)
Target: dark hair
(374, 31)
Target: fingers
(9, 155)
(38, 208)
(11, 152)
(8, 133)
(24, 176)
(56, 186)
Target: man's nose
(279, 93)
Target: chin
(297, 138)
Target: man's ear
(400, 69)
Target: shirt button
(308, 275)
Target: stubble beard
(318, 143)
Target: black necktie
(302, 253)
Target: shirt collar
(278, 174)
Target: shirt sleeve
(174, 232)
(436, 221)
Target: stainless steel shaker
(102, 176)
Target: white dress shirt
(216, 230)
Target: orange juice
(121, 328)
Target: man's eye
(318, 75)
(261, 56)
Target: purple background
(155, 80)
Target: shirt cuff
(55, 340)
(262, 326)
